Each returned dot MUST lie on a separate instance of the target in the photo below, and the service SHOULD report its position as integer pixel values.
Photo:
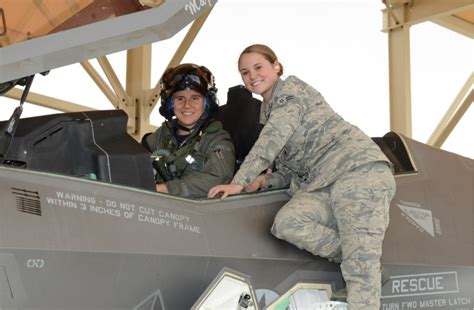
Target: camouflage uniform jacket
(212, 161)
(310, 143)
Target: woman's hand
(225, 189)
(259, 182)
(161, 188)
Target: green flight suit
(204, 159)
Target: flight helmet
(188, 76)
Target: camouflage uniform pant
(348, 217)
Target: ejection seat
(240, 117)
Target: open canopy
(37, 36)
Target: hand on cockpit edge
(161, 188)
(225, 189)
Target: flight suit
(340, 182)
(205, 159)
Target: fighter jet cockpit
(95, 145)
(92, 145)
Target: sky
(336, 46)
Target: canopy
(38, 35)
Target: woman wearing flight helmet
(191, 152)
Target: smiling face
(258, 74)
(188, 107)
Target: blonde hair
(265, 51)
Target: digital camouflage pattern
(311, 143)
(347, 218)
(340, 180)
(211, 163)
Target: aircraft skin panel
(432, 210)
(94, 245)
(421, 212)
(98, 39)
(171, 245)
(85, 280)
(428, 287)
(81, 280)
(73, 217)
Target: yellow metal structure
(398, 17)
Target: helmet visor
(188, 81)
(186, 77)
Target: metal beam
(137, 85)
(454, 120)
(114, 81)
(418, 11)
(99, 81)
(48, 102)
(456, 24)
(123, 99)
(400, 80)
(457, 109)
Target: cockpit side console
(93, 145)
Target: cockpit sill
(58, 177)
(392, 144)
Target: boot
(340, 295)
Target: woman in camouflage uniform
(191, 152)
(340, 182)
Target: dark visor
(186, 76)
(183, 81)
